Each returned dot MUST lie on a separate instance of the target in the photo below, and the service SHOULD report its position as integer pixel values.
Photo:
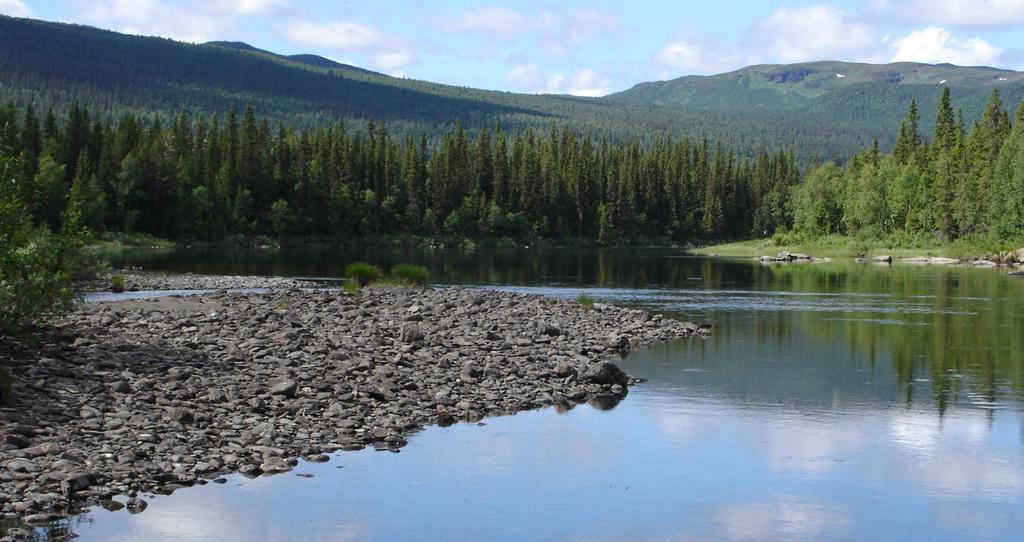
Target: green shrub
(117, 284)
(586, 301)
(36, 265)
(411, 275)
(363, 273)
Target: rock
(136, 505)
(180, 415)
(77, 482)
(1016, 273)
(984, 263)
(494, 336)
(604, 372)
(411, 333)
(550, 330)
(562, 369)
(470, 373)
(39, 450)
(882, 259)
(284, 388)
(925, 260)
(619, 343)
(12, 440)
(121, 387)
(275, 466)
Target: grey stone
(604, 372)
(286, 388)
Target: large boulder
(604, 372)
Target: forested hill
(845, 95)
(807, 107)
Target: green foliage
(36, 265)
(209, 180)
(586, 301)
(411, 275)
(363, 274)
(117, 284)
(958, 185)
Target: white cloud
(489, 20)
(250, 7)
(693, 52)
(386, 52)
(787, 35)
(825, 32)
(156, 18)
(525, 77)
(955, 13)
(937, 45)
(558, 31)
(392, 60)
(14, 8)
(820, 32)
(339, 35)
(585, 82)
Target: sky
(587, 48)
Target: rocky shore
(131, 397)
(135, 281)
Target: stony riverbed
(135, 281)
(130, 397)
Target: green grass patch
(841, 246)
(410, 275)
(117, 284)
(363, 274)
(586, 301)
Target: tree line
(236, 176)
(960, 183)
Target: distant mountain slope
(823, 109)
(310, 60)
(843, 94)
(794, 85)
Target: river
(835, 401)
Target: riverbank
(130, 397)
(143, 281)
(843, 247)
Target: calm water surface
(834, 402)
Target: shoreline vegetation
(844, 247)
(128, 398)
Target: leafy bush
(117, 284)
(363, 273)
(411, 275)
(36, 265)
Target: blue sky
(591, 47)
